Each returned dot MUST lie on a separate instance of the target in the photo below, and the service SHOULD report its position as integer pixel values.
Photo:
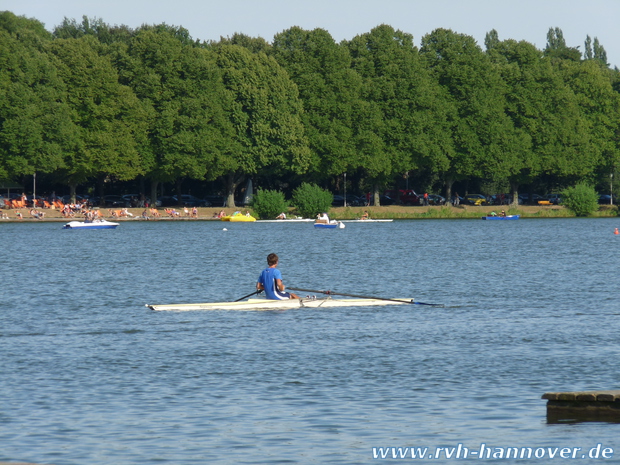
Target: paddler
(270, 281)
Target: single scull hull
(263, 304)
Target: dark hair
(272, 259)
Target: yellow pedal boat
(238, 217)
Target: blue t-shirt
(268, 279)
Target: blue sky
(209, 19)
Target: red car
(404, 196)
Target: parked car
(383, 199)
(110, 201)
(500, 199)
(352, 200)
(216, 200)
(78, 198)
(525, 198)
(434, 199)
(605, 199)
(475, 199)
(135, 200)
(555, 199)
(188, 200)
(403, 196)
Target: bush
(582, 199)
(267, 204)
(310, 200)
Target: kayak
(508, 217)
(96, 224)
(264, 304)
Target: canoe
(239, 219)
(264, 304)
(509, 217)
(331, 225)
(96, 224)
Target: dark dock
(583, 406)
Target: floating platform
(583, 406)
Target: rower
(270, 281)
(365, 216)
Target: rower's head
(272, 259)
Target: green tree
(599, 108)
(328, 89)
(484, 140)
(268, 204)
(402, 122)
(310, 200)
(188, 131)
(581, 199)
(266, 115)
(35, 120)
(556, 47)
(111, 121)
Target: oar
(364, 297)
(249, 295)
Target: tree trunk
(377, 199)
(178, 183)
(72, 189)
(514, 191)
(232, 182)
(101, 190)
(154, 192)
(448, 183)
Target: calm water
(89, 376)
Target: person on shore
(270, 281)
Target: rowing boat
(288, 220)
(367, 221)
(264, 304)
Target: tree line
(91, 103)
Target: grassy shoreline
(346, 213)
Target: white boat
(367, 221)
(333, 224)
(95, 224)
(264, 304)
(287, 220)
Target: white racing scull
(264, 304)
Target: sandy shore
(208, 214)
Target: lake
(89, 375)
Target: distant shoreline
(343, 213)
